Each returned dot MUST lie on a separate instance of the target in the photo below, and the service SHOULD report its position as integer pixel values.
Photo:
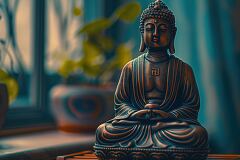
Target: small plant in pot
(8, 85)
(86, 98)
(8, 92)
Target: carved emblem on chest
(155, 71)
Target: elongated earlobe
(142, 45)
(171, 45)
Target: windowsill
(44, 145)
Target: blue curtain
(208, 39)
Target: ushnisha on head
(157, 24)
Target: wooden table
(88, 155)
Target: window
(38, 34)
(26, 47)
(62, 28)
(18, 41)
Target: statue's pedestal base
(88, 155)
(150, 154)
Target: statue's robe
(181, 101)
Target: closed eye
(149, 27)
(162, 28)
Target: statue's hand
(151, 106)
(158, 114)
(144, 114)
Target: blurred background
(51, 43)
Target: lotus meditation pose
(156, 100)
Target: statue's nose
(156, 34)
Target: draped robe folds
(181, 101)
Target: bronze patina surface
(156, 100)
(88, 155)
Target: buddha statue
(156, 100)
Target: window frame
(36, 116)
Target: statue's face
(156, 33)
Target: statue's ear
(171, 45)
(142, 45)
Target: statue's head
(157, 27)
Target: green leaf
(92, 60)
(91, 70)
(68, 66)
(3, 75)
(123, 54)
(13, 89)
(91, 52)
(128, 12)
(11, 83)
(77, 11)
(96, 26)
(105, 42)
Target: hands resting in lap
(150, 112)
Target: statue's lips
(155, 40)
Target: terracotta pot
(3, 102)
(81, 108)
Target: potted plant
(3, 103)
(8, 85)
(8, 88)
(86, 98)
(8, 92)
